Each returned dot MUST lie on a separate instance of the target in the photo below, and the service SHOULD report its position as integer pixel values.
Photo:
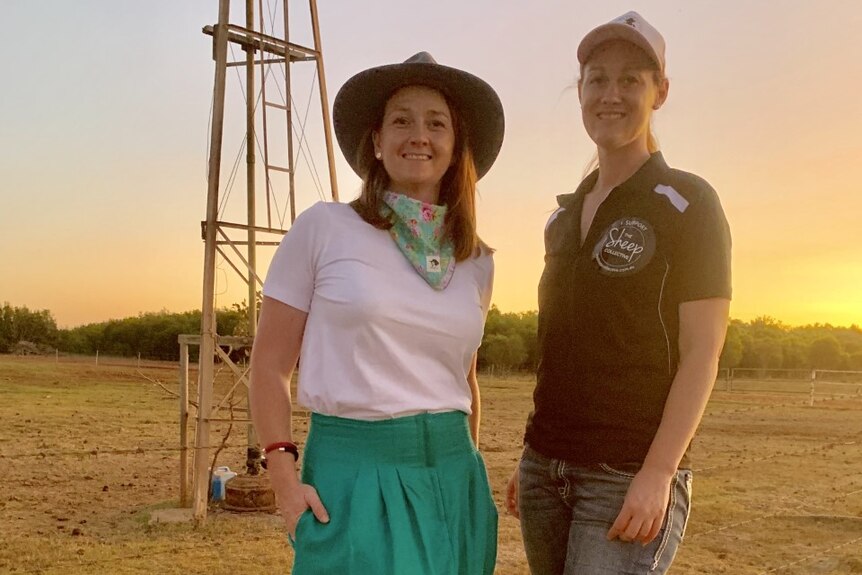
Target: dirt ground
(88, 452)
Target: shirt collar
(649, 173)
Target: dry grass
(88, 452)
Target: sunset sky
(105, 107)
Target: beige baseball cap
(630, 27)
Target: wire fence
(743, 384)
(744, 379)
(102, 360)
(813, 556)
(788, 380)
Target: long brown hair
(457, 188)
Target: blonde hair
(652, 142)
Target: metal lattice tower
(269, 87)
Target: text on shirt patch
(626, 247)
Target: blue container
(221, 476)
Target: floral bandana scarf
(417, 228)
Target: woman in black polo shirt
(633, 306)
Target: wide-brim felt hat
(361, 100)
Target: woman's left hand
(644, 508)
(512, 494)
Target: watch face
(625, 247)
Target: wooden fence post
(184, 423)
(813, 379)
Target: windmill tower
(276, 133)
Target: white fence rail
(798, 381)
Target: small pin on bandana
(417, 228)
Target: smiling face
(619, 90)
(415, 141)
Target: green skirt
(405, 496)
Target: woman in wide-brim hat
(386, 300)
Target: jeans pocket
(539, 483)
(534, 465)
(685, 487)
(627, 470)
(676, 520)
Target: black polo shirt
(609, 310)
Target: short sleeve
(487, 283)
(702, 256)
(292, 272)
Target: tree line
(509, 344)
(766, 343)
(153, 335)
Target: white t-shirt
(379, 342)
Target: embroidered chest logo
(626, 247)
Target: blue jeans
(567, 510)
